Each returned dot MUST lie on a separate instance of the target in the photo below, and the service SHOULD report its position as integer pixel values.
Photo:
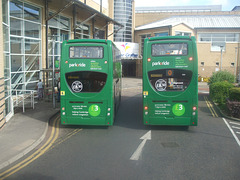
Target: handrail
(23, 97)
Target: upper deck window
(86, 52)
(169, 49)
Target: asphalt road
(208, 151)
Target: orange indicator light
(149, 59)
(190, 58)
(145, 108)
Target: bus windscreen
(169, 49)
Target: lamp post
(235, 68)
(221, 57)
(53, 72)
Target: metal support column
(107, 31)
(93, 28)
(74, 21)
(46, 37)
(100, 6)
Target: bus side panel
(117, 78)
(195, 80)
(145, 83)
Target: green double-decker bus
(170, 81)
(91, 80)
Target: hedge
(219, 91)
(221, 76)
(234, 94)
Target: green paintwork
(170, 107)
(91, 108)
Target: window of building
(218, 46)
(82, 31)
(142, 41)
(123, 15)
(59, 30)
(161, 34)
(179, 33)
(218, 40)
(99, 34)
(202, 63)
(25, 44)
(217, 64)
(232, 64)
(6, 57)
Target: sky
(227, 5)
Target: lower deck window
(86, 81)
(170, 79)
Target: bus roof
(189, 38)
(88, 41)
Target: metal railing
(23, 97)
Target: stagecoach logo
(77, 86)
(163, 63)
(160, 85)
(77, 65)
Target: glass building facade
(123, 15)
(59, 30)
(6, 52)
(25, 45)
(22, 47)
(26, 57)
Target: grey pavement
(203, 87)
(24, 131)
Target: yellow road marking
(210, 107)
(206, 100)
(36, 154)
(72, 133)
